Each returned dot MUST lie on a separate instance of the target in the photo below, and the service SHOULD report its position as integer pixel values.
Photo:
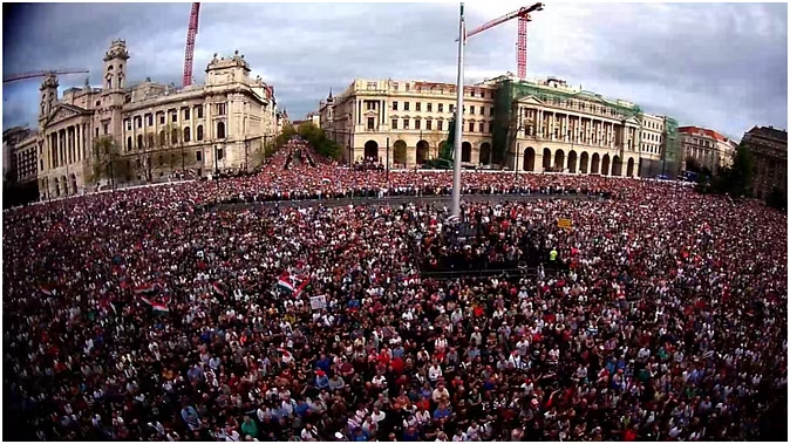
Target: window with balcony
(439, 124)
(394, 106)
(430, 107)
(371, 123)
(472, 110)
(417, 124)
(394, 124)
(405, 106)
(428, 125)
(138, 122)
(440, 107)
(418, 106)
(471, 127)
(221, 109)
(482, 127)
(186, 113)
(199, 111)
(405, 124)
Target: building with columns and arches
(156, 128)
(543, 125)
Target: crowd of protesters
(142, 315)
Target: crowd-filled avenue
(649, 313)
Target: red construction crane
(190, 51)
(34, 74)
(521, 44)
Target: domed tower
(115, 66)
(330, 107)
(49, 95)
(110, 107)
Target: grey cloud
(718, 65)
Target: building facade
(154, 128)
(543, 125)
(20, 154)
(769, 148)
(710, 149)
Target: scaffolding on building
(508, 92)
(672, 158)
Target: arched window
(187, 135)
(162, 141)
(129, 143)
(139, 141)
(174, 136)
(151, 140)
(200, 132)
(220, 130)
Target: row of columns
(577, 129)
(601, 168)
(67, 146)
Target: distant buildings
(156, 128)
(710, 149)
(543, 125)
(768, 145)
(20, 154)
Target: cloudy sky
(721, 66)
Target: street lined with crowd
(660, 315)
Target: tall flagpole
(459, 117)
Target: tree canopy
(318, 139)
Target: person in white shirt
(308, 433)
(434, 372)
(378, 415)
(473, 431)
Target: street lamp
(459, 117)
(388, 159)
(518, 154)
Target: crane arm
(34, 74)
(521, 12)
(189, 53)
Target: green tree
(777, 199)
(692, 165)
(736, 180)
(318, 139)
(107, 162)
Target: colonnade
(67, 145)
(571, 128)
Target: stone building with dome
(156, 129)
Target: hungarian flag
(301, 287)
(48, 291)
(158, 307)
(145, 289)
(285, 282)
(218, 289)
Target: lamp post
(459, 117)
(388, 159)
(246, 154)
(518, 154)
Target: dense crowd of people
(146, 314)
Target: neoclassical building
(709, 148)
(543, 125)
(768, 145)
(156, 128)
